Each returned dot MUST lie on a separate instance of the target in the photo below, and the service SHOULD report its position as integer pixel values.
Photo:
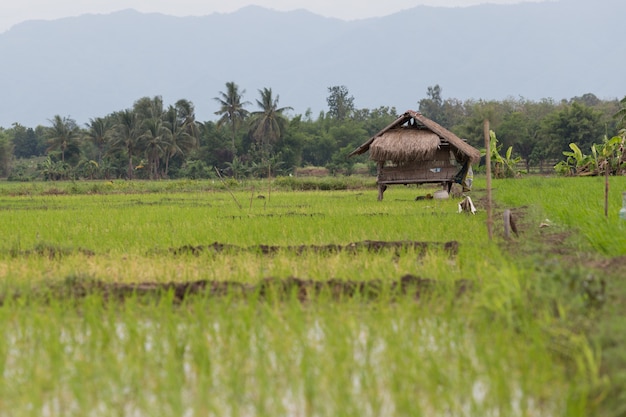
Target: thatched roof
(405, 144)
(414, 137)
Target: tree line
(152, 140)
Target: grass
(533, 336)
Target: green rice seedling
(480, 337)
(258, 358)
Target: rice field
(515, 342)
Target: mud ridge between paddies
(451, 247)
(76, 288)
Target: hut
(416, 150)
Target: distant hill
(92, 65)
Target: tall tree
(575, 123)
(213, 145)
(182, 132)
(149, 108)
(340, 102)
(432, 106)
(268, 124)
(26, 142)
(290, 143)
(155, 142)
(127, 135)
(99, 130)
(232, 110)
(63, 133)
(186, 113)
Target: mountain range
(91, 65)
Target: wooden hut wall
(442, 167)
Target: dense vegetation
(153, 140)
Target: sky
(16, 11)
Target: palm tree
(149, 108)
(155, 141)
(231, 110)
(127, 135)
(182, 132)
(62, 134)
(267, 125)
(186, 114)
(99, 132)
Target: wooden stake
(269, 181)
(488, 163)
(509, 224)
(606, 189)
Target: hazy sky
(16, 11)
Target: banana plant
(503, 166)
(609, 155)
(577, 163)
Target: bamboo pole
(606, 189)
(488, 163)
(269, 181)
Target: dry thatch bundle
(405, 144)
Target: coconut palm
(127, 135)
(182, 133)
(62, 134)
(267, 124)
(149, 108)
(232, 109)
(155, 142)
(99, 130)
(185, 112)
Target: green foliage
(54, 170)
(504, 166)
(237, 168)
(576, 162)
(19, 172)
(26, 142)
(196, 169)
(63, 136)
(609, 155)
(322, 184)
(5, 153)
(232, 110)
(162, 138)
(267, 125)
(340, 102)
(518, 129)
(572, 123)
(432, 107)
(620, 115)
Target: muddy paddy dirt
(269, 288)
(451, 248)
